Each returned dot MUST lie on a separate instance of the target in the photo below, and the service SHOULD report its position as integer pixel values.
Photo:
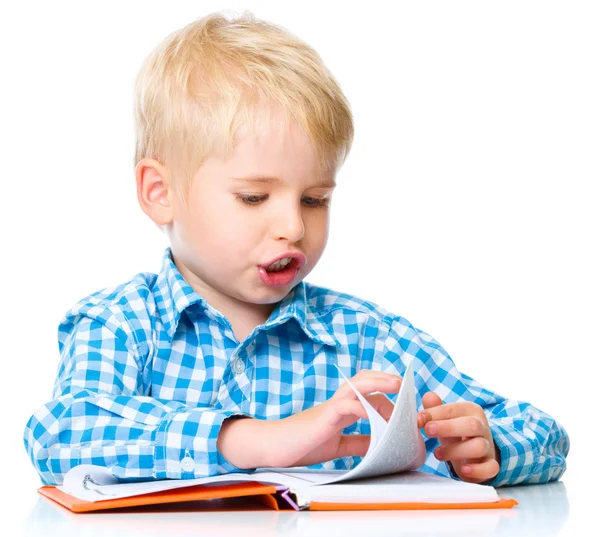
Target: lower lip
(276, 279)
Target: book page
(96, 483)
(410, 486)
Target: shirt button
(187, 463)
(238, 367)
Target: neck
(239, 313)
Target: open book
(386, 477)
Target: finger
(467, 426)
(368, 373)
(473, 448)
(452, 410)
(382, 404)
(366, 384)
(477, 472)
(449, 440)
(354, 445)
(430, 400)
(345, 412)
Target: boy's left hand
(464, 435)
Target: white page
(410, 486)
(96, 483)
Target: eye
(251, 199)
(316, 202)
(257, 199)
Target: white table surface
(560, 508)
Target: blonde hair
(215, 76)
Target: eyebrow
(269, 180)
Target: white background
(469, 203)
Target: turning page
(396, 445)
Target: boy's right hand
(312, 436)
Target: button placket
(187, 463)
(241, 368)
(238, 366)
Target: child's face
(219, 242)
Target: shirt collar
(174, 295)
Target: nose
(288, 223)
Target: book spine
(291, 498)
(299, 500)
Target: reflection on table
(542, 510)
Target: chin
(272, 295)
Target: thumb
(430, 400)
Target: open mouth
(281, 265)
(279, 273)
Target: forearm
(248, 443)
(310, 437)
(244, 443)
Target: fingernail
(467, 469)
(432, 429)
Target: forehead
(273, 151)
(272, 142)
(261, 179)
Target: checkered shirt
(149, 370)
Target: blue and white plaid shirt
(149, 371)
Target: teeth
(281, 263)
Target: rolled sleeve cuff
(185, 446)
(517, 456)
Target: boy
(226, 360)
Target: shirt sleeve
(103, 413)
(533, 446)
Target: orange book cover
(264, 494)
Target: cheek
(318, 224)
(316, 234)
(230, 235)
(217, 219)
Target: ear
(153, 191)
